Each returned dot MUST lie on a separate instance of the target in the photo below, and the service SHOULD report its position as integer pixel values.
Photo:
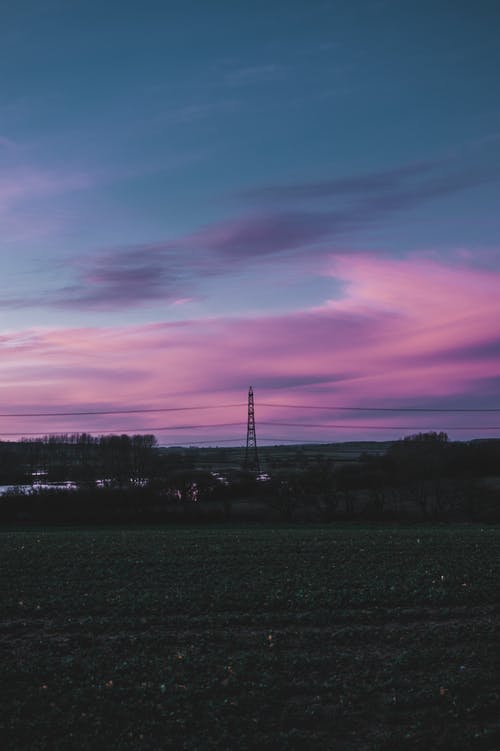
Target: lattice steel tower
(251, 454)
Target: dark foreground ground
(252, 638)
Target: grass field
(253, 638)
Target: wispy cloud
(289, 223)
(116, 280)
(112, 281)
(263, 234)
(360, 184)
(382, 344)
(383, 192)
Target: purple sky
(302, 197)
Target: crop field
(341, 638)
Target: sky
(196, 197)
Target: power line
(334, 426)
(378, 409)
(119, 431)
(329, 426)
(154, 410)
(120, 411)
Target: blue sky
(169, 163)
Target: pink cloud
(437, 306)
(406, 333)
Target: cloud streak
(293, 224)
(360, 184)
(383, 344)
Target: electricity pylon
(251, 454)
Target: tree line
(80, 457)
(121, 478)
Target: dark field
(252, 638)
(231, 457)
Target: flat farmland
(342, 638)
